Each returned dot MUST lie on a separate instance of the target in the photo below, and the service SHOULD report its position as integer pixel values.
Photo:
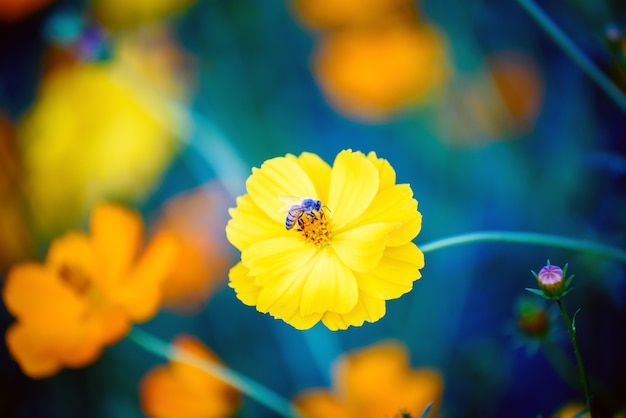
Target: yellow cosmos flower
(343, 258)
(86, 295)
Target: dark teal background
(566, 176)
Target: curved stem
(574, 53)
(246, 385)
(581, 366)
(528, 238)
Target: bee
(297, 207)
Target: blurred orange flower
(371, 73)
(374, 382)
(503, 99)
(197, 219)
(519, 84)
(11, 10)
(180, 390)
(86, 294)
(330, 14)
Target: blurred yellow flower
(372, 383)
(196, 219)
(90, 136)
(86, 294)
(332, 14)
(372, 73)
(343, 258)
(179, 390)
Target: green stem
(244, 384)
(528, 238)
(581, 367)
(573, 52)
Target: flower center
(315, 230)
(75, 278)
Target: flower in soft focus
(92, 134)
(534, 323)
(519, 84)
(180, 390)
(375, 382)
(11, 10)
(16, 243)
(372, 73)
(197, 220)
(499, 101)
(572, 410)
(340, 262)
(87, 293)
(120, 14)
(331, 14)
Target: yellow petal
(394, 204)
(395, 274)
(249, 224)
(276, 257)
(317, 170)
(353, 184)
(278, 177)
(281, 299)
(243, 284)
(367, 309)
(362, 248)
(117, 235)
(329, 285)
(386, 172)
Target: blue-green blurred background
(253, 96)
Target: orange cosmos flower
(371, 73)
(181, 390)
(86, 294)
(374, 382)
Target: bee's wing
(289, 201)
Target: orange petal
(320, 403)
(36, 360)
(72, 249)
(180, 390)
(140, 294)
(34, 294)
(117, 235)
(365, 374)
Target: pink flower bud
(551, 280)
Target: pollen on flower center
(315, 230)
(75, 278)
